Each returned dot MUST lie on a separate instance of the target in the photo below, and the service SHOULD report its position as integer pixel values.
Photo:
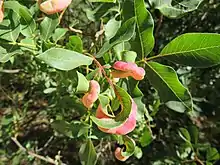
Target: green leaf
(10, 28)
(177, 10)
(83, 83)
(138, 152)
(125, 100)
(137, 96)
(128, 10)
(6, 54)
(184, 134)
(111, 28)
(145, 27)
(48, 25)
(165, 81)
(74, 129)
(118, 120)
(59, 33)
(64, 59)
(194, 49)
(129, 146)
(129, 56)
(75, 43)
(212, 154)
(194, 134)
(87, 153)
(28, 44)
(104, 100)
(124, 33)
(62, 127)
(28, 24)
(100, 11)
(146, 137)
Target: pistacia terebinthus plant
(92, 95)
(129, 35)
(53, 6)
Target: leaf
(10, 28)
(124, 33)
(138, 152)
(165, 81)
(129, 146)
(28, 44)
(194, 134)
(62, 127)
(137, 96)
(118, 120)
(145, 27)
(128, 9)
(83, 83)
(74, 129)
(64, 59)
(194, 49)
(129, 56)
(184, 134)
(59, 33)
(75, 43)
(28, 24)
(100, 11)
(87, 153)
(177, 10)
(146, 137)
(48, 25)
(111, 28)
(6, 54)
(212, 154)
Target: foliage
(58, 63)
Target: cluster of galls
(121, 69)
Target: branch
(47, 159)
(10, 71)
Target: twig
(47, 159)
(198, 160)
(46, 144)
(10, 71)
(75, 30)
(103, 72)
(61, 15)
(7, 95)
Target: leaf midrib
(189, 51)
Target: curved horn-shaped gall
(126, 69)
(53, 6)
(119, 156)
(92, 95)
(124, 129)
(1, 10)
